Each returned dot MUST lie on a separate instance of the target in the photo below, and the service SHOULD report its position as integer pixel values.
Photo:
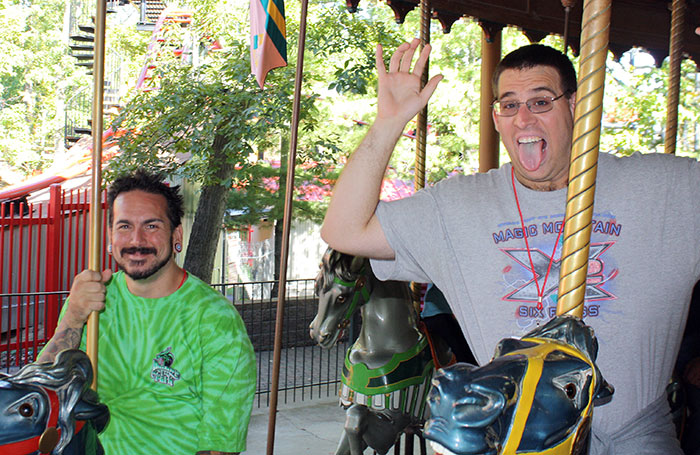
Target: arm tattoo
(68, 338)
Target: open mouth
(531, 151)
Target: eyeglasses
(536, 105)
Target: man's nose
(138, 237)
(524, 116)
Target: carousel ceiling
(634, 23)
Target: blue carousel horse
(50, 408)
(536, 396)
(387, 371)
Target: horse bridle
(48, 440)
(535, 358)
(361, 292)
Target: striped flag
(268, 37)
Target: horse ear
(604, 393)
(507, 345)
(77, 361)
(357, 263)
(331, 257)
(90, 409)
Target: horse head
(50, 408)
(536, 395)
(342, 286)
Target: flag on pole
(268, 37)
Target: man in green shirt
(176, 366)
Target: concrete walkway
(303, 428)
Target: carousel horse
(50, 408)
(536, 396)
(387, 371)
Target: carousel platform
(302, 428)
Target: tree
(36, 74)
(635, 106)
(230, 129)
(215, 115)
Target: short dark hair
(152, 183)
(538, 55)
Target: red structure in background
(42, 247)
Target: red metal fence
(43, 245)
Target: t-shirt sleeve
(228, 381)
(412, 226)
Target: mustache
(139, 250)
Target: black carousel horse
(536, 396)
(387, 371)
(50, 408)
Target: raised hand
(399, 94)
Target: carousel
(71, 416)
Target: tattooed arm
(64, 338)
(86, 295)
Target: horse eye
(570, 390)
(341, 298)
(26, 410)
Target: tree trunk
(206, 228)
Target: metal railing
(306, 370)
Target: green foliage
(173, 128)
(635, 108)
(346, 44)
(36, 73)
(194, 104)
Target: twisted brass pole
(674, 75)
(422, 120)
(595, 30)
(421, 125)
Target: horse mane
(341, 265)
(570, 330)
(70, 377)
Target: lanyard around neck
(540, 291)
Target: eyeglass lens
(536, 105)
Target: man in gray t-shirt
(491, 242)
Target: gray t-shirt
(644, 260)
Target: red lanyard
(540, 291)
(184, 277)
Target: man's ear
(495, 120)
(572, 103)
(177, 235)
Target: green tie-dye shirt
(178, 373)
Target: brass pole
(421, 125)
(567, 4)
(674, 75)
(595, 30)
(422, 120)
(488, 136)
(98, 69)
(284, 254)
